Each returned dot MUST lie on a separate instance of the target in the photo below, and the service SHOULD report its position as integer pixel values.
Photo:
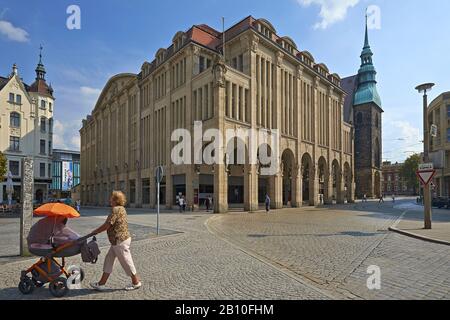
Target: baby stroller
(50, 238)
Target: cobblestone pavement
(303, 253)
(193, 264)
(334, 248)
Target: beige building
(265, 84)
(26, 130)
(439, 115)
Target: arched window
(377, 121)
(359, 118)
(377, 154)
(14, 120)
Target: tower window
(359, 118)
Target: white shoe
(98, 287)
(132, 287)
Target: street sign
(425, 176)
(434, 130)
(426, 166)
(159, 174)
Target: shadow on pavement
(44, 293)
(344, 233)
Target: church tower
(364, 110)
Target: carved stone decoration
(280, 57)
(316, 82)
(219, 70)
(27, 204)
(195, 51)
(330, 91)
(296, 170)
(300, 72)
(254, 43)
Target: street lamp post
(425, 88)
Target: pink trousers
(122, 252)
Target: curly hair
(119, 198)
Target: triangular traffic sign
(425, 176)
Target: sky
(409, 39)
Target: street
(305, 253)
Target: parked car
(440, 202)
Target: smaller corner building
(66, 173)
(363, 109)
(26, 130)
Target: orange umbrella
(57, 210)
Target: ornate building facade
(264, 83)
(26, 130)
(363, 109)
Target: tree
(408, 172)
(3, 166)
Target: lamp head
(424, 88)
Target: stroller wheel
(58, 287)
(26, 285)
(37, 283)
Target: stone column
(314, 186)
(191, 176)
(250, 188)
(328, 196)
(297, 191)
(220, 173)
(340, 188)
(169, 190)
(26, 218)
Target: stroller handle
(82, 239)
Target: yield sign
(425, 176)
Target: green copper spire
(366, 40)
(367, 83)
(40, 69)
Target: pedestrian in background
(78, 204)
(207, 203)
(184, 203)
(181, 203)
(381, 199)
(267, 202)
(365, 197)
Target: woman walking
(116, 226)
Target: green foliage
(3, 166)
(408, 171)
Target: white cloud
(88, 91)
(331, 11)
(66, 135)
(13, 33)
(401, 140)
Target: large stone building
(26, 129)
(363, 109)
(266, 83)
(439, 115)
